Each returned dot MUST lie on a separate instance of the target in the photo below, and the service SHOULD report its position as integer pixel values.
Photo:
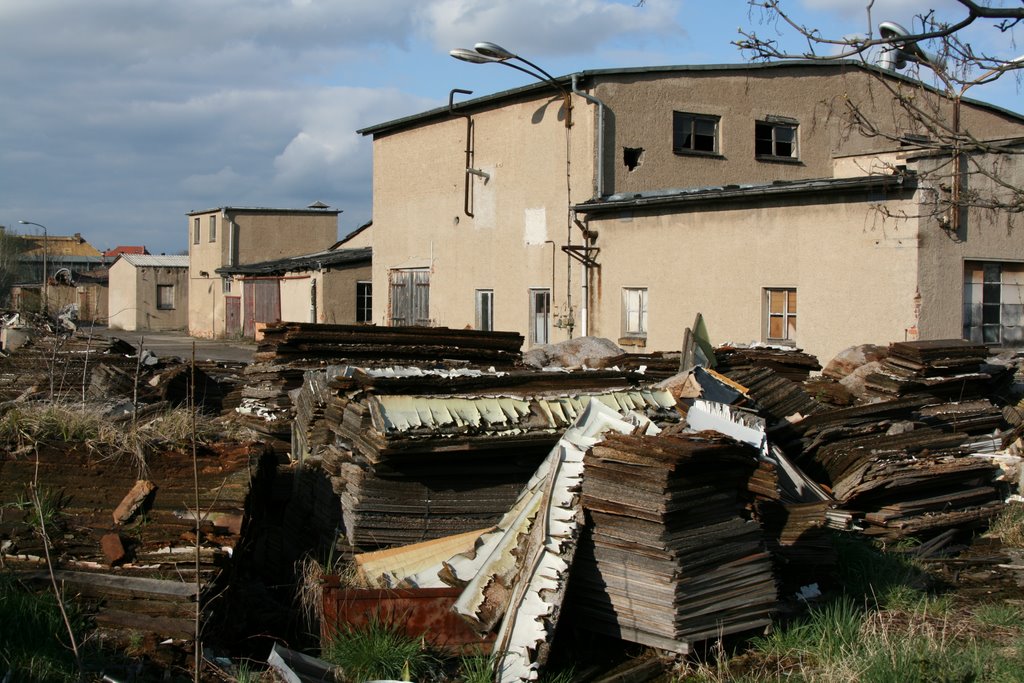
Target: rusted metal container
(418, 612)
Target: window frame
(997, 302)
(364, 301)
(484, 314)
(643, 305)
(535, 338)
(196, 230)
(225, 285)
(787, 316)
(776, 124)
(160, 304)
(213, 228)
(678, 135)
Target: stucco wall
(854, 273)
(819, 99)
(245, 237)
(520, 212)
(295, 297)
(336, 293)
(123, 296)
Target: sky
(121, 116)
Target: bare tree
(942, 67)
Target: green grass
(1009, 525)
(477, 668)
(380, 650)
(31, 631)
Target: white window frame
(225, 285)
(364, 301)
(634, 312)
(993, 302)
(485, 310)
(787, 317)
(540, 321)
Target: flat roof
(264, 209)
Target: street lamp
(45, 243)
(492, 53)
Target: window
(410, 296)
(364, 302)
(195, 230)
(780, 315)
(994, 303)
(634, 312)
(165, 297)
(694, 133)
(213, 228)
(775, 139)
(540, 314)
(485, 309)
(225, 284)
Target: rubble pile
(791, 363)
(126, 541)
(950, 368)
(667, 558)
(423, 454)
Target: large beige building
(647, 195)
(228, 236)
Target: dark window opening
(775, 140)
(694, 133)
(631, 157)
(364, 302)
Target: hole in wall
(632, 156)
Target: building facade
(536, 215)
(148, 293)
(226, 237)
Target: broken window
(540, 312)
(410, 296)
(631, 156)
(694, 133)
(994, 302)
(485, 309)
(165, 297)
(775, 139)
(780, 315)
(634, 311)
(364, 302)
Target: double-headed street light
(492, 53)
(45, 243)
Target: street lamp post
(45, 245)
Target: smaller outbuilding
(148, 292)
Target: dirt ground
(180, 344)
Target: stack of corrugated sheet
(942, 367)
(791, 363)
(668, 558)
(289, 342)
(903, 467)
(654, 366)
(412, 464)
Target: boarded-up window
(165, 297)
(994, 303)
(409, 301)
(780, 315)
(634, 312)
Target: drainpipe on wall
(598, 193)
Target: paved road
(180, 344)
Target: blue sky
(122, 115)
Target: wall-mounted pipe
(470, 171)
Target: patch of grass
(1009, 525)
(999, 614)
(477, 668)
(30, 648)
(380, 650)
(867, 572)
